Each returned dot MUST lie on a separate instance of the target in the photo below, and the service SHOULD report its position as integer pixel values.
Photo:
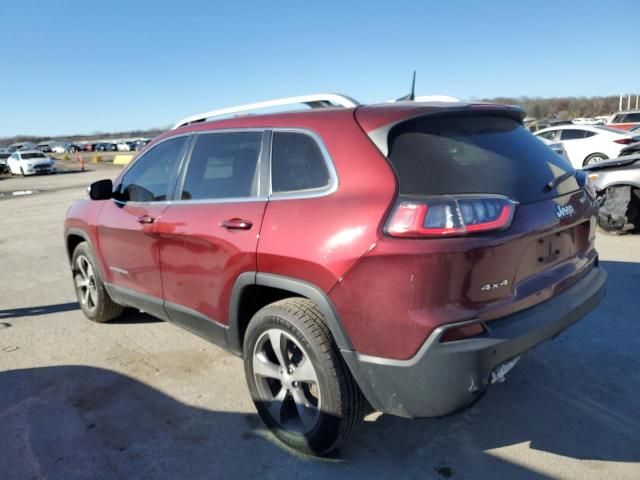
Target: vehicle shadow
(133, 316)
(40, 310)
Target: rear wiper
(558, 180)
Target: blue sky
(81, 66)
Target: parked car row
(67, 147)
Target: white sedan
(30, 162)
(588, 144)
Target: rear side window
(474, 154)
(223, 165)
(572, 134)
(149, 178)
(297, 163)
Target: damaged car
(617, 183)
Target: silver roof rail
(430, 98)
(318, 100)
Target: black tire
(340, 405)
(21, 171)
(598, 157)
(96, 305)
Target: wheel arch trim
(294, 285)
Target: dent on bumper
(443, 378)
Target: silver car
(617, 183)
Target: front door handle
(236, 224)
(146, 219)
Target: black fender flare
(79, 233)
(299, 287)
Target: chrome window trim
(265, 194)
(326, 190)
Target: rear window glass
(474, 154)
(296, 163)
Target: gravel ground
(143, 399)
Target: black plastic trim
(131, 298)
(197, 323)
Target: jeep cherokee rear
(405, 253)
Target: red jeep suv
(397, 257)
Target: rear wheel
(94, 299)
(594, 158)
(300, 385)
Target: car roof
(596, 128)
(28, 151)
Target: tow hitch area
(499, 373)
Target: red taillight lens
(625, 141)
(450, 216)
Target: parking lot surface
(139, 398)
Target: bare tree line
(540, 108)
(563, 107)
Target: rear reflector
(450, 216)
(460, 333)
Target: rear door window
(466, 154)
(574, 134)
(223, 165)
(297, 163)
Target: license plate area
(559, 246)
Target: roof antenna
(412, 95)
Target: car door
(210, 232)
(129, 246)
(575, 145)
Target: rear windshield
(474, 154)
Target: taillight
(450, 216)
(625, 141)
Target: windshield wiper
(558, 180)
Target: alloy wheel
(286, 381)
(85, 282)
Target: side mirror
(101, 190)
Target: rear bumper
(443, 378)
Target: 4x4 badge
(566, 211)
(493, 286)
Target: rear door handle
(146, 219)
(236, 224)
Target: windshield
(27, 156)
(4, 155)
(458, 154)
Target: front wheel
(93, 298)
(299, 383)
